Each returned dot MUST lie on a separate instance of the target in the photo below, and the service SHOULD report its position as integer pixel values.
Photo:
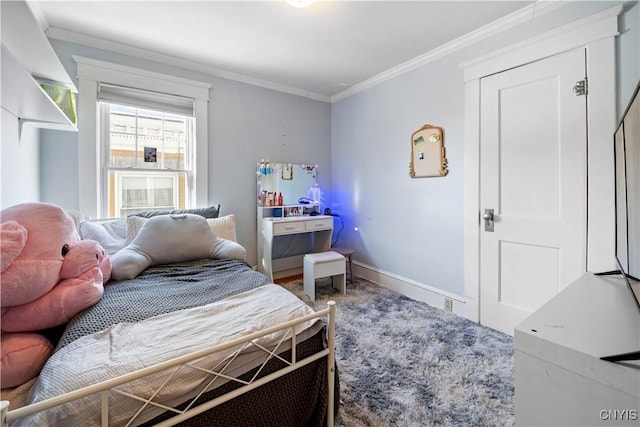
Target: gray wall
(628, 56)
(19, 177)
(413, 228)
(246, 123)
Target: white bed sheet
(126, 347)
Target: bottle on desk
(280, 199)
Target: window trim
(91, 72)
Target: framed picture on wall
(428, 156)
(287, 172)
(150, 154)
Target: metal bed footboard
(109, 386)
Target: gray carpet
(405, 363)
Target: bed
(200, 342)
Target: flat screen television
(626, 143)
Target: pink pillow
(23, 356)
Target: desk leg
(266, 263)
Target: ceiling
(323, 49)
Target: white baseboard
(433, 296)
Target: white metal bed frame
(173, 366)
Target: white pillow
(77, 216)
(116, 227)
(110, 234)
(224, 227)
(166, 239)
(134, 224)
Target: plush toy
(166, 239)
(48, 275)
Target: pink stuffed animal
(48, 275)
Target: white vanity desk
(271, 228)
(286, 230)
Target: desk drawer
(319, 224)
(288, 227)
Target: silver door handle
(488, 220)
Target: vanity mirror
(292, 180)
(428, 156)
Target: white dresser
(277, 232)
(559, 377)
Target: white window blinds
(146, 99)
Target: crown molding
(586, 30)
(38, 15)
(90, 41)
(518, 17)
(108, 72)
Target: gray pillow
(208, 212)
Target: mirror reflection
(292, 180)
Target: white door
(533, 173)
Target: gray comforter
(171, 287)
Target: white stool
(324, 264)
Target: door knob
(488, 220)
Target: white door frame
(597, 34)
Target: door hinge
(581, 87)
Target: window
(143, 140)
(143, 191)
(148, 159)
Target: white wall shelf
(27, 55)
(23, 97)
